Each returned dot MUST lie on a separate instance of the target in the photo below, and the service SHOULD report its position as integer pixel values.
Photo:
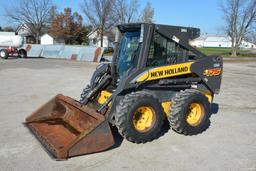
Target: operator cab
(143, 45)
(129, 39)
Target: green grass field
(226, 52)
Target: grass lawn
(226, 52)
(108, 53)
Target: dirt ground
(229, 144)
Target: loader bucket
(66, 128)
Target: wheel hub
(196, 114)
(143, 118)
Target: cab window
(164, 51)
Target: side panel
(165, 72)
(210, 70)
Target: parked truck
(10, 45)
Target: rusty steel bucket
(66, 128)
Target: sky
(204, 14)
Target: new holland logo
(169, 72)
(165, 72)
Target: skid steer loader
(155, 75)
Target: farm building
(218, 41)
(24, 31)
(46, 39)
(94, 39)
(199, 42)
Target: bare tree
(127, 10)
(147, 13)
(254, 38)
(101, 15)
(33, 13)
(251, 35)
(239, 16)
(53, 13)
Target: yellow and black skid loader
(154, 75)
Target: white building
(218, 41)
(25, 32)
(247, 45)
(94, 39)
(46, 39)
(7, 33)
(199, 42)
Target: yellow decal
(166, 106)
(212, 72)
(209, 97)
(166, 71)
(104, 95)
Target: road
(229, 143)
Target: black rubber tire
(5, 56)
(84, 94)
(124, 115)
(178, 112)
(22, 53)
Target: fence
(80, 53)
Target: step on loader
(155, 75)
